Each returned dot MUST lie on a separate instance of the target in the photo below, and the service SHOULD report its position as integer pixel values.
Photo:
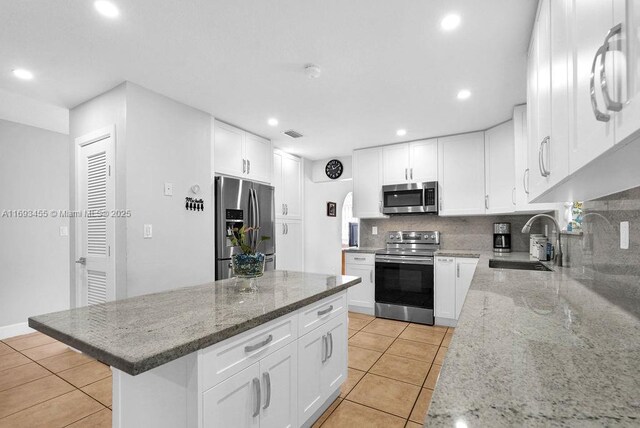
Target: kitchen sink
(518, 265)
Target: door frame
(79, 142)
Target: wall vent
(293, 134)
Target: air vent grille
(293, 134)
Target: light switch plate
(64, 231)
(168, 189)
(624, 235)
(374, 230)
(148, 231)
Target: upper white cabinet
(367, 183)
(414, 162)
(287, 179)
(499, 161)
(241, 154)
(461, 174)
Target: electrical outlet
(168, 189)
(64, 231)
(374, 230)
(624, 235)
(148, 231)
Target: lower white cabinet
(361, 296)
(453, 277)
(233, 403)
(289, 245)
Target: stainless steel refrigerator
(243, 202)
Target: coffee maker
(501, 237)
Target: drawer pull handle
(257, 399)
(325, 311)
(251, 348)
(359, 258)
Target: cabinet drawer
(360, 259)
(224, 359)
(321, 312)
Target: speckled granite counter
(540, 349)
(141, 333)
(368, 250)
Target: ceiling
(385, 64)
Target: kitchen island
(538, 348)
(227, 353)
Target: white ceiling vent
(293, 134)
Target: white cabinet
(628, 78)
(367, 183)
(461, 174)
(280, 388)
(241, 154)
(414, 162)
(234, 402)
(287, 180)
(453, 277)
(289, 245)
(499, 160)
(361, 296)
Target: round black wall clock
(333, 169)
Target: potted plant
(249, 263)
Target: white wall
(34, 274)
(25, 110)
(323, 235)
(167, 142)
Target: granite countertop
(540, 349)
(141, 333)
(369, 250)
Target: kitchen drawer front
(360, 259)
(315, 315)
(224, 359)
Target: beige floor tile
(352, 379)
(100, 390)
(12, 359)
(24, 396)
(413, 425)
(401, 368)
(45, 351)
(58, 412)
(429, 327)
(433, 337)
(102, 419)
(442, 353)
(85, 374)
(388, 395)
(432, 377)
(5, 349)
(419, 412)
(27, 341)
(357, 323)
(20, 375)
(376, 342)
(362, 316)
(415, 350)
(451, 329)
(349, 414)
(65, 361)
(352, 332)
(362, 359)
(327, 413)
(385, 327)
(446, 342)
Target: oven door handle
(406, 260)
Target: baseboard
(446, 322)
(15, 330)
(362, 310)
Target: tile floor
(393, 369)
(43, 383)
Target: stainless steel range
(404, 276)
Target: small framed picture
(331, 209)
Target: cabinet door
(445, 287)
(465, 268)
(311, 352)
(228, 153)
(293, 230)
(423, 161)
(292, 184)
(500, 169)
(627, 69)
(362, 295)
(279, 388)
(396, 164)
(334, 369)
(233, 403)
(367, 183)
(258, 153)
(461, 174)
(276, 181)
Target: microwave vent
(293, 134)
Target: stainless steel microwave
(410, 198)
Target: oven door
(404, 281)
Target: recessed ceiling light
(450, 22)
(464, 94)
(106, 8)
(21, 73)
(273, 121)
(401, 132)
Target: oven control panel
(423, 237)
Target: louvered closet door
(96, 202)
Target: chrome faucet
(527, 228)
